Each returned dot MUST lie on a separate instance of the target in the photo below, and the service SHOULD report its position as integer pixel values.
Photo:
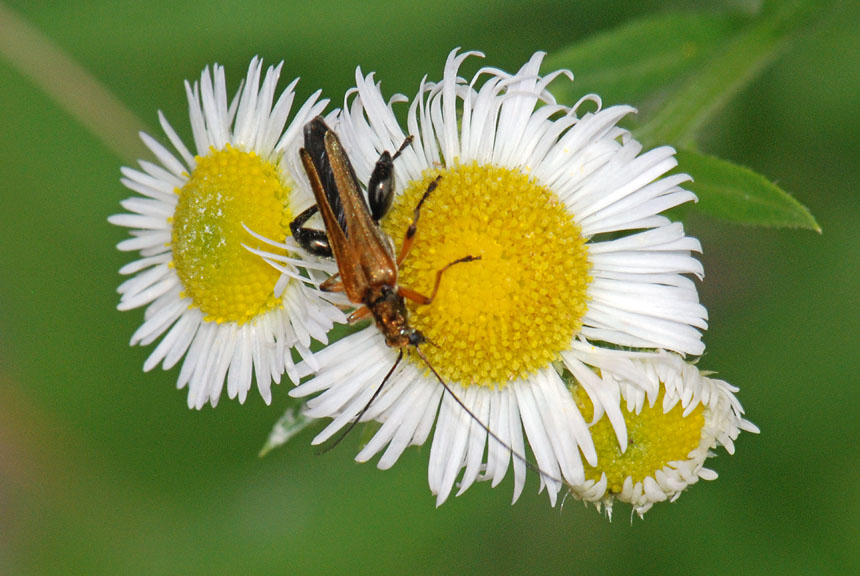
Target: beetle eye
(416, 337)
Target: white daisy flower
(208, 298)
(673, 424)
(563, 209)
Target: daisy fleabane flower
(673, 424)
(208, 297)
(564, 210)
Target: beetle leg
(359, 314)
(314, 241)
(423, 300)
(332, 284)
(380, 188)
(409, 238)
(406, 142)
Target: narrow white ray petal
(176, 141)
(164, 195)
(538, 437)
(454, 452)
(145, 241)
(164, 156)
(225, 343)
(144, 263)
(148, 295)
(246, 113)
(239, 374)
(196, 352)
(165, 176)
(346, 412)
(647, 299)
(137, 221)
(398, 427)
(410, 428)
(174, 344)
(477, 437)
(148, 207)
(425, 425)
(605, 400)
(157, 324)
(137, 284)
(498, 456)
(195, 115)
(151, 186)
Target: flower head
(673, 424)
(208, 298)
(563, 209)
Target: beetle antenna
(529, 464)
(362, 412)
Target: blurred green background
(103, 470)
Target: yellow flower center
(227, 189)
(654, 439)
(510, 313)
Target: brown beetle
(367, 267)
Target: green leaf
(738, 194)
(635, 62)
(291, 423)
(720, 79)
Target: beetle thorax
(391, 316)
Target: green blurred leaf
(695, 64)
(637, 61)
(291, 423)
(738, 194)
(729, 70)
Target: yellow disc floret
(228, 188)
(654, 439)
(510, 313)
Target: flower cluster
(569, 335)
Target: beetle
(367, 267)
